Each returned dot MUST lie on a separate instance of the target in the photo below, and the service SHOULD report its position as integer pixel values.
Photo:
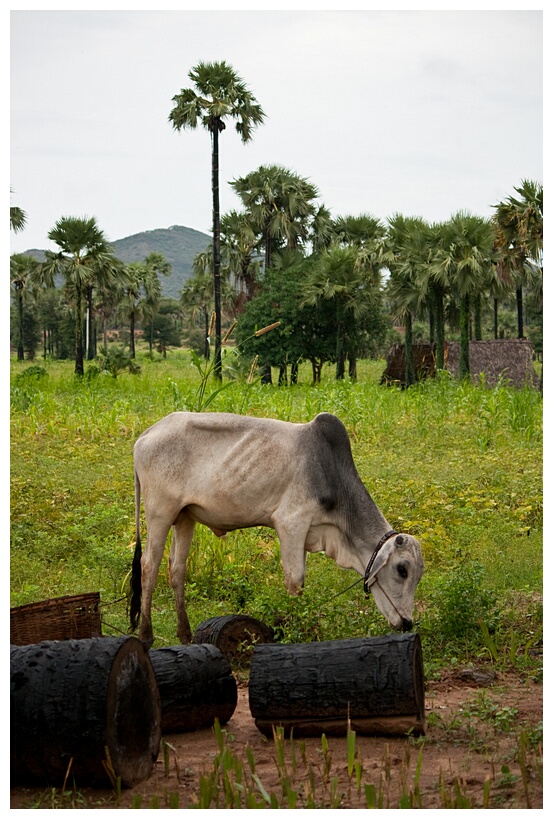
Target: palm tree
(218, 94)
(358, 230)
(238, 241)
(18, 218)
(84, 260)
(344, 277)
(196, 299)
(280, 207)
(464, 258)
(322, 230)
(519, 240)
(23, 274)
(156, 265)
(406, 254)
(140, 292)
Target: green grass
(459, 466)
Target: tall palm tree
(280, 207)
(84, 259)
(218, 94)
(465, 258)
(519, 238)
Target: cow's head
(393, 575)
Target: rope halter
(379, 546)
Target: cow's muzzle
(406, 625)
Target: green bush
(461, 602)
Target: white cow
(232, 472)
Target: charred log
(196, 686)
(84, 709)
(313, 688)
(234, 634)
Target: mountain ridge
(178, 244)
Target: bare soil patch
(472, 756)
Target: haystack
(507, 359)
(424, 361)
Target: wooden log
(83, 708)
(196, 686)
(234, 634)
(313, 688)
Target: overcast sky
(415, 112)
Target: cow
(232, 472)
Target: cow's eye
(402, 570)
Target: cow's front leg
(183, 530)
(292, 554)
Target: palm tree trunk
(206, 335)
(131, 335)
(477, 318)
(20, 345)
(520, 316)
(409, 363)
(440, 330)
(340, 357)
(496, 318)
(464, 354)
(89, 328)
(216, 247)
(79, 351)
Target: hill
(178, 244)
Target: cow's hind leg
(183, 529)
(157, 531)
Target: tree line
(335, 285)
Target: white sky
(415, 112)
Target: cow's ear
(381, 559)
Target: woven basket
(72, 617)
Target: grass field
(458, 466)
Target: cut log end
(133, 714)
(88, 707)
(235, 635)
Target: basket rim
(66, 598)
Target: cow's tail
(136, 573)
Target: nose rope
(401, 617)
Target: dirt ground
(471, 756)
